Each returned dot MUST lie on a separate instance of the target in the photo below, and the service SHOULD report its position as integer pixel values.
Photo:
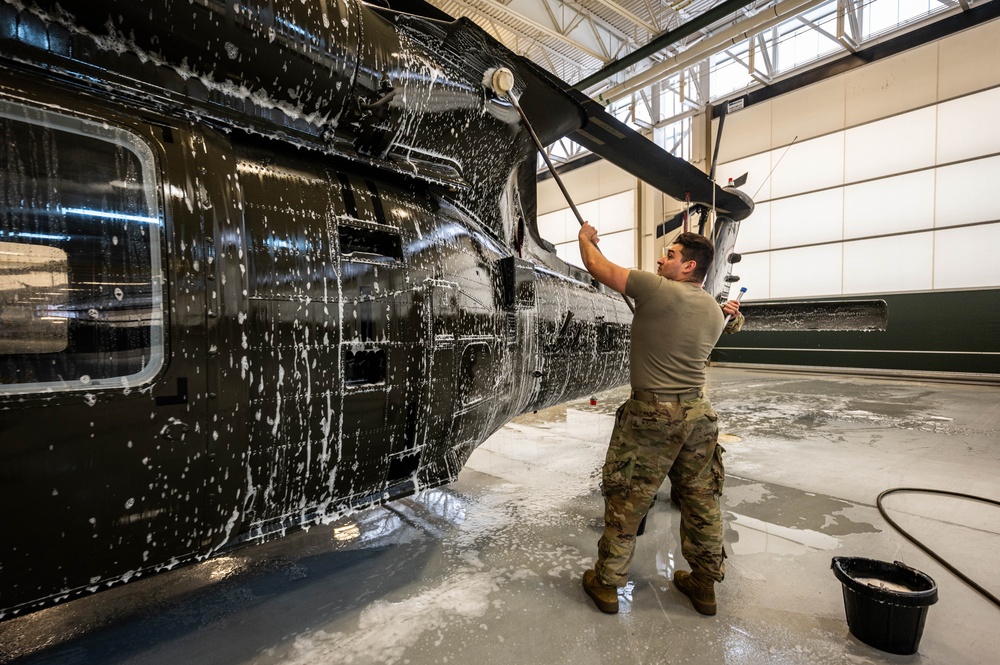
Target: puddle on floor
(792, 508)
(792, 410)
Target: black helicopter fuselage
(289, 274)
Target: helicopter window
(370, 245)
(80, 273)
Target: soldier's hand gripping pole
(728, 317)
(502, 82)
(739, 296)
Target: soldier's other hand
(731, 308)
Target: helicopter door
(441, 330)
(291, 368)
(101, 377)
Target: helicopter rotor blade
(608, 137)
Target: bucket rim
(918, 598)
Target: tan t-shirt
(675, 328)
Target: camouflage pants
(651, 441)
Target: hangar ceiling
(574, 38)
(702, 49)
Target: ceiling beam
(598, 21)
(818, 28)
(735, 34)
(533, 39)
(521, 18)
(621, 11)
(662, 41)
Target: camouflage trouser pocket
(699, 408)
(718, 470)
(649, 423)
(619, 466)
(618, 415)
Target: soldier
(668, 426)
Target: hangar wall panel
(955, 75)
(789, 122)
(967, 192)
(892, 186)
(891, 86)
(613, 216)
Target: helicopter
(263, 265)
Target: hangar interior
(487, 569)
(869, 167)
(867, 130)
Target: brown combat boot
(604, 596)
(701, 591)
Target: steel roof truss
(534, 25)
(848, 17)
(818, 28)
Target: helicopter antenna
(754, 197)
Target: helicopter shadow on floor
(254, 598)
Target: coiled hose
(878, 503)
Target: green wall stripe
(937, 331)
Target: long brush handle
(555, 176)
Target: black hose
(878, 503)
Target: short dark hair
(697, 248)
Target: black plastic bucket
(886, 603)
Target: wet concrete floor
(487, 570)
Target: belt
(650, 396)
